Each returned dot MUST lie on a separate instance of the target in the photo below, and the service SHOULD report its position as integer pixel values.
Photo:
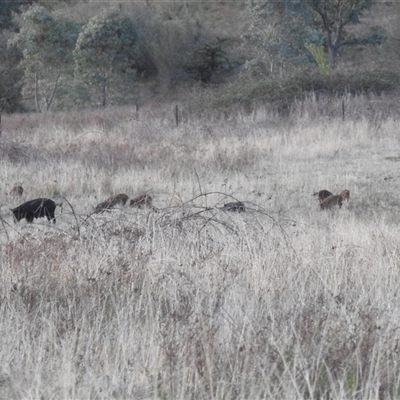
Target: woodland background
(66, 55)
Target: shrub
(282, 93)
(207, 60)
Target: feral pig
(105, 205)
(37, 208)
(234, 206)
(143, 200)
(323, 194)
(121, 198)
(334, 200)
(17, 191)
(331, 201)
(111, 202)
(345, 194)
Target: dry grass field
(189, 301)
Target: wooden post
(0, 125)
(176, 115)
(343, 110)
(137, 111)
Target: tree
(10, 75)
(7, 8)
(332, 17)
(10, 78)
(47, 44)
(286, 26)
(207, 60)
(105, 56)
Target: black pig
(37, 208)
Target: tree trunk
(103, 89)
(53, 92)
(332, 55)
(38, 108)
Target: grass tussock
(189, 300)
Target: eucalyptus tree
(105, 57)
(11, 78)
(285, 27)
(331, 17)
(10, 75)
(47, 43)
(7, 10)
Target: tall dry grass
(190, 301)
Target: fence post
(176, 115)
(343, 110)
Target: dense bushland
(69, 55)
